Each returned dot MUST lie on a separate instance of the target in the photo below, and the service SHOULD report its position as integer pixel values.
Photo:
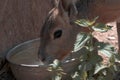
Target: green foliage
(57, 70)
(100, 27)
(92, 66)
(86, 23)
(82, 38)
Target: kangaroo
(59, 32)
(55, 33)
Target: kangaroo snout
(44, 57)
(41, 55)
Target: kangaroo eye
(57, 34)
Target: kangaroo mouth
(44, 57)
(49, 59)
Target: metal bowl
(25, 65)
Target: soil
(109, 36)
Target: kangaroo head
(57, 35)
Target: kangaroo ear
(67, 6)
(59, 5)
(70, 7)
(73, 10)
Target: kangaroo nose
(44, 57)
(41, 55)
(49, 59)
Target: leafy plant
(92, 64)
(57, 70)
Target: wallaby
(55, 34)
(59, 32)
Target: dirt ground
(110, 36)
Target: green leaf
(105, 48)
(117, 57)
(112, 69)
(81, 39)
(101, 78)
(100, 27)
(109, 75)
(57, 78)
(116, 68)
(112, 60)
(76, 76)
(91, 78)
(50, 69)
(95, 58)
(89, 66)
(56, 63)
(85, 22)
(85, 75)
(99, 67)
(83, 54)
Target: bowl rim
(20, 45)
(27, 65)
